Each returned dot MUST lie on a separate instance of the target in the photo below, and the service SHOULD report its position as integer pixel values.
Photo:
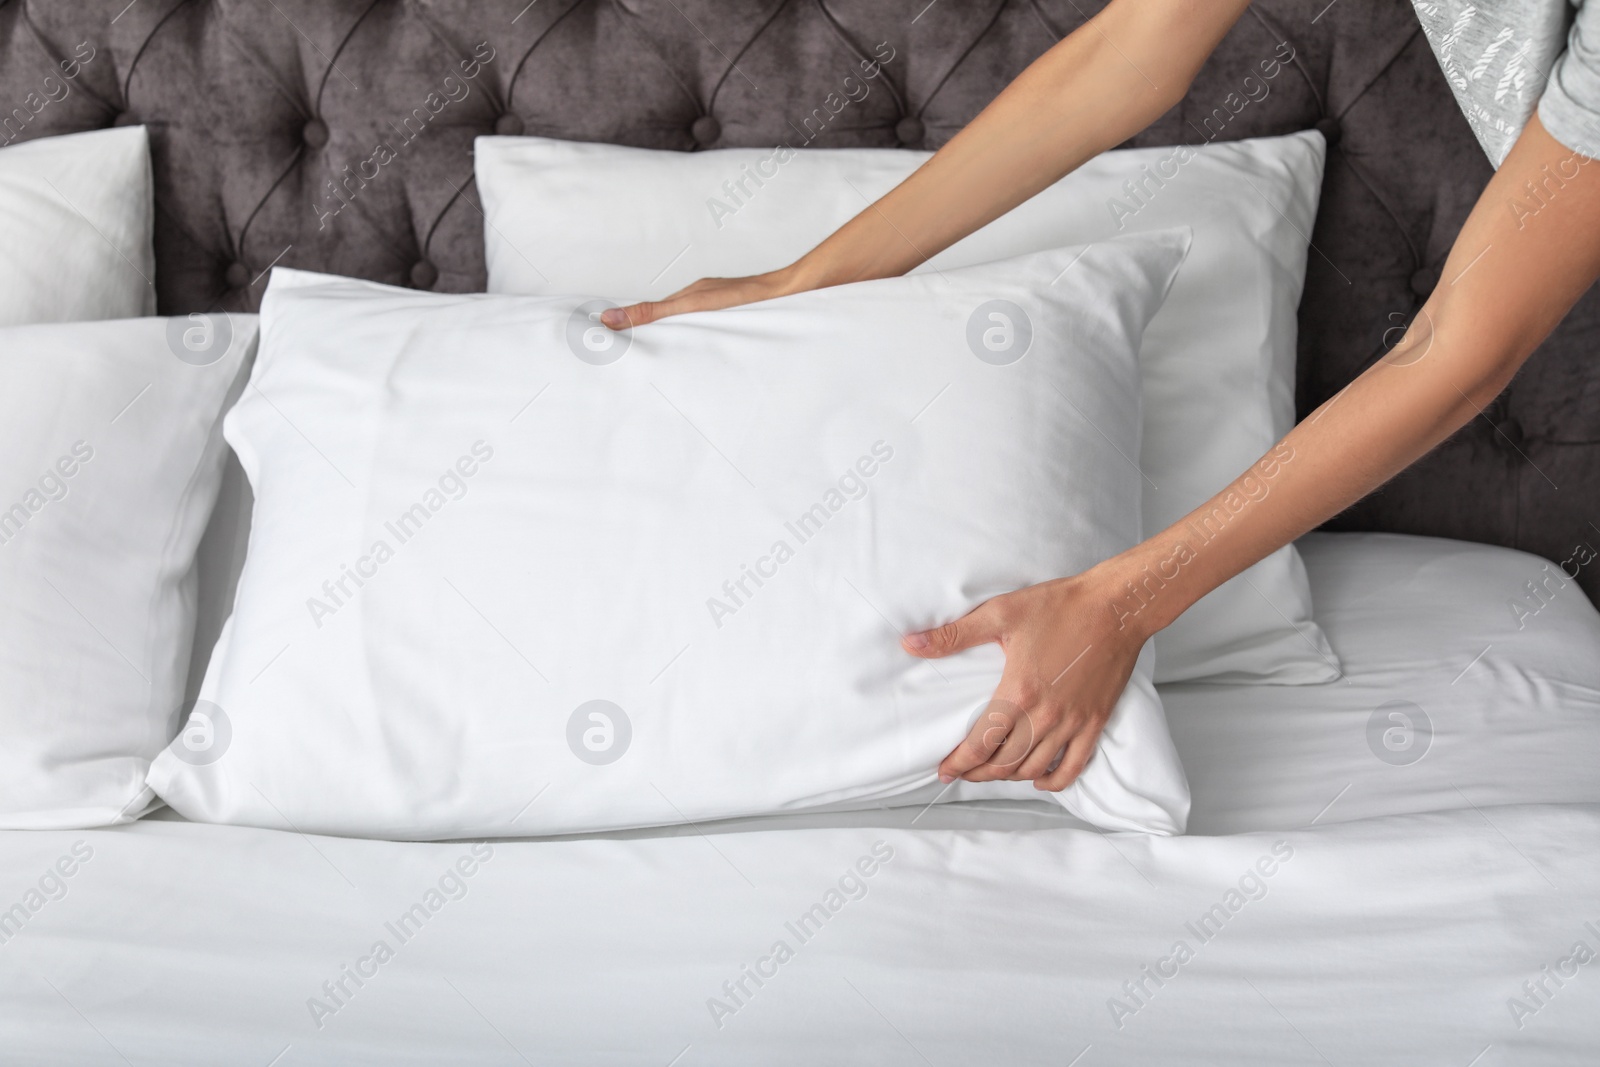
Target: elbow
(1482, 389)
(1478, 359)
(1172, 90)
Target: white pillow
(77, 213)
(484, 524)
(1218, 359)
(110, 454)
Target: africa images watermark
(343, 189)
(52, 486)
(738, 992)
(1139, 192)
(452, 485)
(1399, 732)
(338, 991)
(1543, 192)
(1251, 487)
(851, 486)
(50, 887)
(1537, 992)
(737, 192)
(51, 90)
(1139, 991)
(1540, 592)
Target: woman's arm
(1517, 267)
(1099, 86)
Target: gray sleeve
(1570, 107)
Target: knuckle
(975, 749)
(1024, 734)
(1003, 762)
(993, 737)
(1027, 693)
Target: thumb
(624, 318)
(979, 626)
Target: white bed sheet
(1513, 701)
(1388, 941)
(1401, 930)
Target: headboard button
(706, 130)
(1510, 433)
(424, 274)
(909, 130)
(508, 125)
(1424, 280)
(237, 276)
(315, 133)
(1330, 130)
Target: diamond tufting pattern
(336, 135)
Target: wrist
(814, 270)
(1142, 588)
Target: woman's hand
(1067, 662)
(707, 294)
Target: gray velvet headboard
(254, 106)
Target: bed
(1406, 907)
(1396, 867)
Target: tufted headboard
(255, 106)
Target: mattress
(1344, 899)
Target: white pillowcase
(485, 524)
(77, 213)
(110, 454)
(1218, 359)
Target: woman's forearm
(1099, 86)
(1518, 265)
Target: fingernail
(614, 318)
(917, 641)
(947, 778)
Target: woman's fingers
(1045, 717)
(648, 311)
(625, 318)
(1015, 744)
(979, 626)
(707, 294)
(999, 720)
(1044, 754)
(995, 724)
(1079, 751)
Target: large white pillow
(510, 573)
(110, 454)
(77, 213)
(1218, 359)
